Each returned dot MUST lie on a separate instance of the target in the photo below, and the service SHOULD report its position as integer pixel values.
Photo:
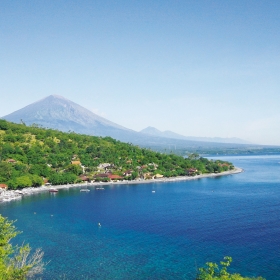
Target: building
(3, 187)
(76, 162)
(191, 171)
(115, 177)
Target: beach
(10, 195)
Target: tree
(24, 181)
(3, 125)
(193, 156)
(6, 171)
(16, 261)
(75, 169)
(37, 181)
(214, 272)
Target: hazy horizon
(197, 68)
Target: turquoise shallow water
(161, 235)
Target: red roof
(192, 169)
(102, 175)
(114, 177)
(84, 178)
(3, 186)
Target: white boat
(19, 192)
(53, 190)
(84, 190)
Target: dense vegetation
(16, 262)
(213, 271)
(30, 156)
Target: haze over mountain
(170, 134)
(60, 113)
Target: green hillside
(31, 156)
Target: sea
(158, 230)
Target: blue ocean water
(166, 234)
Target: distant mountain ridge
(170, 134)
(57, 112)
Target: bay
(158, 230)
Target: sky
(198, 68)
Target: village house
(75, 162)
(127, 173)
(148, 176)
(191, 171)
(105, 166)
(154, 165)
(224, 164)
(115, 177)
(3, 187)
(84, 178)
(102, 175)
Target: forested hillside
(32, 156)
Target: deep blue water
(161, 235)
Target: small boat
(19, 192)
(153, 191)
(53, 190)
(84, 190)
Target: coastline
(10, 195)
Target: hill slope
(29, 154)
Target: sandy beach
(10, 195)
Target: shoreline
(10, 195)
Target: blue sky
(198, 68)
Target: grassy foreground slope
(30, 156)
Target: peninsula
(32, 156)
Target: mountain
(170, 134)
(59, 113)
(167, 134)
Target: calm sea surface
(164, 234)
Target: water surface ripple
(162, 235)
